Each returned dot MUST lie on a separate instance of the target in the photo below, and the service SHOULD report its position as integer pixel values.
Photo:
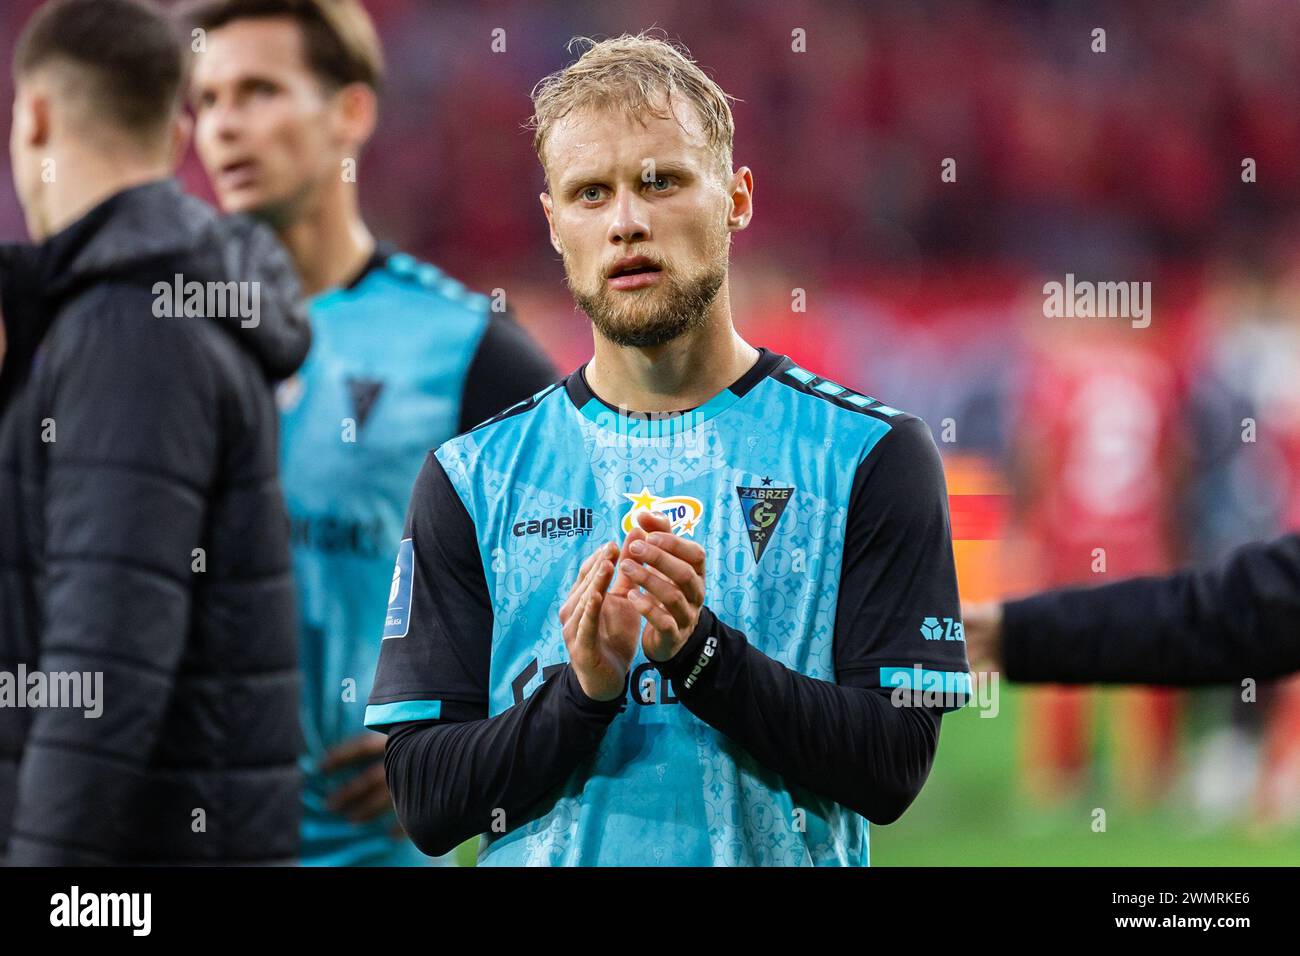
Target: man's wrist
(680, 664)
(572, 687)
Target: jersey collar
(378, 258)
(658, 424)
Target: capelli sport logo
(706, 655)
(682, 511)
(577, 522)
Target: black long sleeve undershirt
(847, 743)
(1220, 625)
(449, 779)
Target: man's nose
(225, 120)
(631, 222)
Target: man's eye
(665, 180)
(590, 194)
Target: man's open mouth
(237, 174)
(635, 265)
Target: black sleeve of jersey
(451, 781)
(1240, 619)
(855, 741)
(449, 774)
(899, 607)
(507, 367)
(444, 656)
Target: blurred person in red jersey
(1095, 447)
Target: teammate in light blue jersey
(719, 630)
(403, 358)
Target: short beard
(683, 306)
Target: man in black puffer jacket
(143, 535)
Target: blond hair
(637, 73)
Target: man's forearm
(450, 781)
(846, 743)
(1195, 627)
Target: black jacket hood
(152, 233)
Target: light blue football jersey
(384, 381)
(763, 477)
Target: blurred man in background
(143, 541)
(403, 358)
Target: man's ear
(358, 111)
(550, 222)
(38, 121)
(741, 193)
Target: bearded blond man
(694, 604)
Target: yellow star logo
(643, 501)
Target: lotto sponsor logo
(682, 511)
